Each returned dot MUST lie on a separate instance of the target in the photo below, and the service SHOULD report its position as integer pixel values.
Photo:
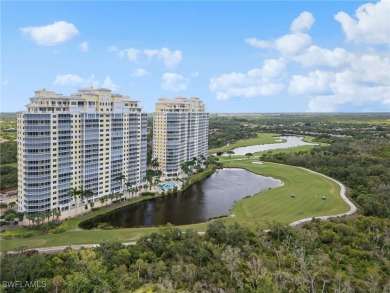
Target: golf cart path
(343, 195)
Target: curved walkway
(343, 195)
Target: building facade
(85, 140)
(180, 132)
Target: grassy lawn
(262, 138)
(274, 204)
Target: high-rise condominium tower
(83, 141)
(180, 132)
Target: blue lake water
(209, 198)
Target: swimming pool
(166, 186)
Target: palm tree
(74, 192)
(111, 197)
(58, 213)
(102, 199)
(157, 181)
(154, 163)
(122, 179)
(128, 187)
(149, 178)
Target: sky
(236, 56)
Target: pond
(291, 141)
(212, 197)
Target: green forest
(345, 255)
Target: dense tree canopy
(333, 256)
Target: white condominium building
(180, 132)
(85, 140)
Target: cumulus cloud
(76, 80)
(68, 79)
(174, 82)
(289, 44)
(170, 58)
(316, 82)
(130, 53)
(304, 21)
(316, 56)
(370, 24)
(84, 46)
(109, 84)
(139, 72)
(365, 81)
(258, 43)
(264, 81)
(52, 34)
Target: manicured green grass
(262, 138)
(274, 204)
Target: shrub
(148, 193)
(15, 222)
(57, 230)
(95, 209)
(24, 235)
(105, 226)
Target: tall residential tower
(85, 140)
(180, 132)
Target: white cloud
(258, 43)
(364, 82)
(174, 82)
(68, 79)
(84, 46)
(195, 74)
(139, 72)
(317, 82)
(316, 56)
(264, 81)
(130, 53)
(52, 34)
(170, 58)
(78, 81)
(304, 21)
(5, 82)
(109, 84)
(371, 24)
(290, 45)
